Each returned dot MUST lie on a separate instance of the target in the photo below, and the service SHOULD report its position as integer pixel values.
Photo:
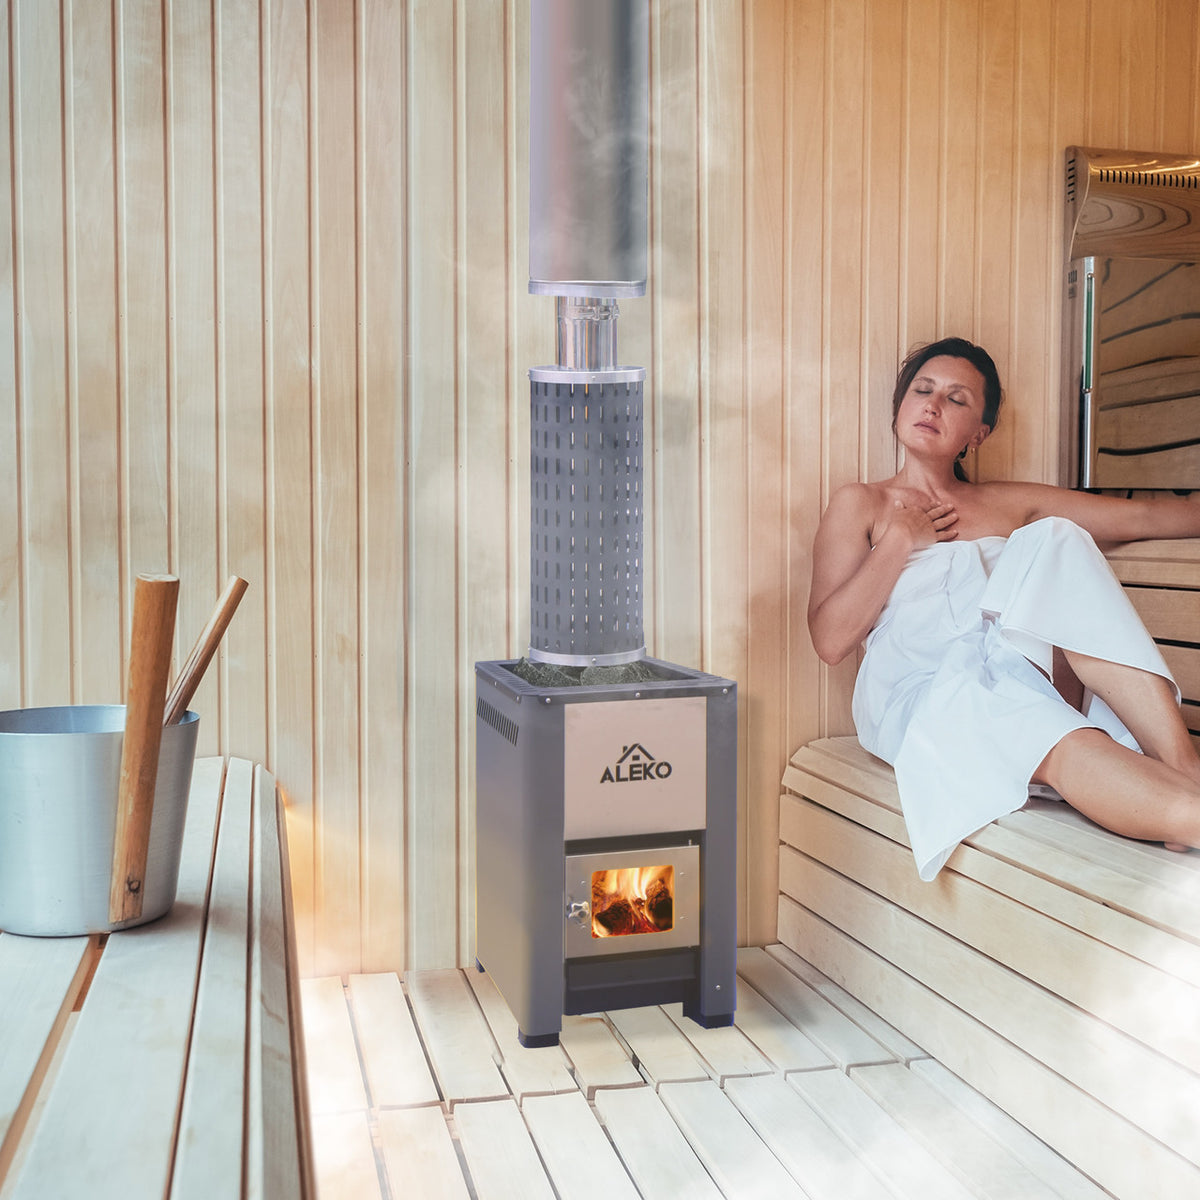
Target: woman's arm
(851, 580)
(1111, 519)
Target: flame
(630, 900)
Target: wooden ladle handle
(154, 601)
(204, 649)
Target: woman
(975, 601)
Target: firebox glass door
(632, 900)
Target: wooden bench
(166, 1060)
(1051, 965)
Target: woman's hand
(923, 526)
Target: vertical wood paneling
(193, 347)
(1037, 254)
(673, 556)
(725, 131)
(1178, 56)
(336, 481)
(435, 720)
(958, 296)
(999, 189)
(844, 318)
(806, 335)
(92, 324)
(488, 391)
(39, 268)
(883, 102)
(288, 586)
(919, 218)
(12, 655)
(240, 369)
(763, 670)
(264, 309)
(142, 290)
(382, 348)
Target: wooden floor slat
(944, 1131)
(330, 1049)
(788, 1048)
(418, 1149)
(1059, 1178)
(826, 1166)
(595, 1054)
(658, 1045)
(500, 1153)
(757, 1110)
(392, 1055)
(344, 1156)
(658, 1155)
(726, 1050)
(456, 1036)
(725, 1142)
(910, 1170)
(578, 1155)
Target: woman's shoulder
(851, 513)
(863, 499)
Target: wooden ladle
(154, 601)
(204, 649)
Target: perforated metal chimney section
(586, 551)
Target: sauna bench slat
(166, 1060)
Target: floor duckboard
(809, 1094)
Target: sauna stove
(605, 779)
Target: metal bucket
(60, 769)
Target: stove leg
(534, 1041)
(716, 1021)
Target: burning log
(632, 901)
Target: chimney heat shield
(589, 123)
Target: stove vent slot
(506, 727)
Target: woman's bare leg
(1146, 705)
(1127, 792)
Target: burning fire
(633, 900)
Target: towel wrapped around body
(954, 689)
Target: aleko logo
(636, 765)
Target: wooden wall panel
(381, 354)
(288, 584)
(264, 309)
(12, 656)
(91, 330)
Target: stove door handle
(579, 911)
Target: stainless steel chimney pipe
(589, 122)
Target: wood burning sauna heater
(605, 779)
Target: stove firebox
(606, 780)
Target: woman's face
(942, 411)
